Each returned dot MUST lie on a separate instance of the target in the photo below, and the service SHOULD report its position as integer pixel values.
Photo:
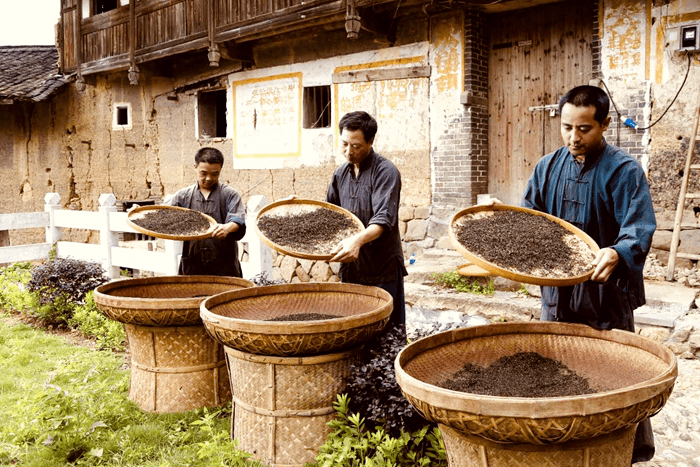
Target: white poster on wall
(267, 116)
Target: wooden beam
(199, 41)
(380, 74)
(77, 34)
(133, 68)
(258, 27)
(114, 63)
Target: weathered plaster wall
(69, 145)
(644, 74)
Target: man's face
(207, 174)
(354, 146)
(581, 133)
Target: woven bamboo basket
(175, 365)
(287, 207)
(282, 405)
(634, 375)
(239, 319)
(515, 275)
(162, 301)
(141, 211)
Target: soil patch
(524, 243)
(316, 231)
(524, 374)
(303, 317)
(173, 222)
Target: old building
(464, 93)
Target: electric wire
(687, 72)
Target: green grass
(62, 404)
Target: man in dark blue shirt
(369, 186)
(603, 191)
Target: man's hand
(348, 250)
(490, 202)
(605, 262)
(222, 230)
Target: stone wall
(294, 270)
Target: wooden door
(536, 55)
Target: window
(96, 7)
(317, 107)
(121, 117)
(211, 114)
(102, 6)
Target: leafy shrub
(13, 283)
(89, 320)
(61, 284)
(461, 283)
(351, 444)
(373, 385)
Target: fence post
(259, 257)
(173, 250)
(108, 239)
(52, 204)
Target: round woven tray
(638, 374)
(142, 210)
(238, 319)
(162, 301)
(295, 206)
(514, 275)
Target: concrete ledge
(655, 316)
(502, 305)
(665, 294)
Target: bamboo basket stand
(175, 365)
(282, 405)
(286, 375)
(176, 368)
(634, 376)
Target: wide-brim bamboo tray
(239, 319)
(288, 207)
(635, 375)
(515, 275)
(142, 210)
(161, 301)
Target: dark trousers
(395, 288)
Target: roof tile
(29, 72)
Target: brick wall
(460, 157)
(629, 139)
(632, 106)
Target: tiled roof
(29, 72)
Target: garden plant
(66, 404)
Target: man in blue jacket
(603, 191)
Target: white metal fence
(110, 223)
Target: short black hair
(359, 120)
(588, 96)
(209, 156)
